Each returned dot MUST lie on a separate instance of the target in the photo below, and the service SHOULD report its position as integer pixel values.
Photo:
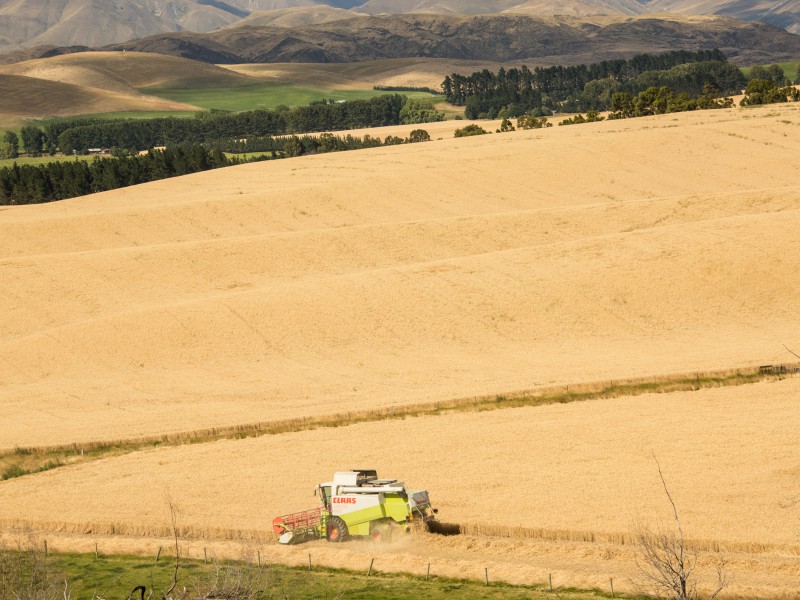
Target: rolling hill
(126, 72)
(343, 282)
(34, 97)
(101, 82)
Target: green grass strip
(88, 577)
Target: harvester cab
(358, 504)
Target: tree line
(58, 180)
(76, 136)
(577, 88)
(766, 91)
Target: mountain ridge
(61, 23)
(502, 38)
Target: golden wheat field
(418, 274)
(556, 487)
(402, 275)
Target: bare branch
(790, 351)
(665, 562)
(174, 518)
(722, 579)
(672, 502)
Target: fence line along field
(369, 279)
(560, 487)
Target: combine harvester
(358, 504)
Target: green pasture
(141, 114)
(116, 576)
(789, 69)
(39, 160)
(262, 95)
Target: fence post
(309, 562)
(370, 567)
(158, 554)
(259, 557)
(612, 588)
(550, 577)
(45, 548)
(96, 551)
(428, 574)
(205, 555)
(486, 573)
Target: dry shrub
(234, 582)
(667, 564)
(27, 574)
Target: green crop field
(116, 577)
(141, 114)
(39, 160)
(789, 69)
(262, 95)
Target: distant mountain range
(347, 30)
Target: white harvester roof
(363, 482)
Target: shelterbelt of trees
(589, 87)
(78, 135)
(61, 179)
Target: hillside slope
(493, 38)
(126, 72)
(97, 22)
(34, 97)
(399, 275)
(781, 13)
(536, 7)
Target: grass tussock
(24, 461)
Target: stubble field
(457, 268)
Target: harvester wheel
(336, 530)
(381, 534)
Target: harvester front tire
(381, 534)
(336, 530)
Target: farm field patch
(263, 95)
(560, 487)
(789, 69)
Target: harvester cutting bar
(298, 522)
